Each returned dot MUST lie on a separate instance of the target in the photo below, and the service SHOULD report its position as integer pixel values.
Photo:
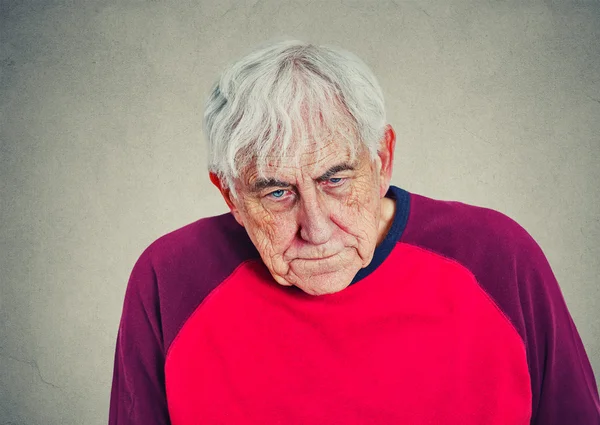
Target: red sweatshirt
(457, 320)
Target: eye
(335, 182)
(277, 193)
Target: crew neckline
(402, 199)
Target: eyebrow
(264, 183)
(334, 170)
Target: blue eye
(277, 193)
(335, 180)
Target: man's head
(300, 150)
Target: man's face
(317, 222)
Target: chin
(328, 283)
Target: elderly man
(327, 296)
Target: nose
(315, 225)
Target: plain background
(495, 103)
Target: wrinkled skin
(316, 233)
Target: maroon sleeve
(138, 390)
(562, 378)
(511, 267)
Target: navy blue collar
(384, 249)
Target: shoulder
(176, 272)
(465, 232)
(503, 257)
(210, 241)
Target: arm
(138, 387)
(563, 385)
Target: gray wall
(495, 103)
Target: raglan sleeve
(138, 395)
(564, 389)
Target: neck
(388, 210)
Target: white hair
(278, 99)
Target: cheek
(271, 233)
(358, 214)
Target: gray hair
(290, 91)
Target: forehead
(310, 160)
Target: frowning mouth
(318, 258)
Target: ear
(227, 196)
(386, 155)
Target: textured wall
(495, 103)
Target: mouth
(318, 258)
(314, 266)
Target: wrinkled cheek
(365, 234)
(359, 223)
(279, 266)
(271, 243)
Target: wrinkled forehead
(309, 157)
